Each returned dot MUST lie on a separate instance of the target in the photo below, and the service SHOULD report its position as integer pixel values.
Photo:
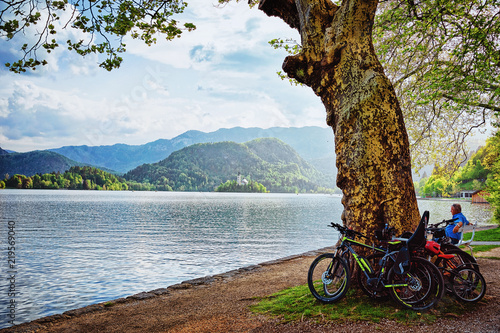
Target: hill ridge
(311, 142)
(204, 166)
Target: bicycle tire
(420, 288)
(468, 285)
(447, 266)
(328, 278)
(374, 260)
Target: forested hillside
(203, 167)
(472, 176)
(315, 144)
(34, 162)
(76, 178)
(481, 172)
(493, 181)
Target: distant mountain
(3, 152)
(34, 162)
(312, 143)
(204, 166)
(38, 161)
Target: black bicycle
(412, 282)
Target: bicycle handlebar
(345, 230)
(435, 226)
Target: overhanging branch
(481, 105)
(284, 9)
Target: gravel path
(220, 304)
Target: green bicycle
(412, 282)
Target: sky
(221, 75)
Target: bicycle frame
(363, 264)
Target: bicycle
(459, 269)
(461, 275)
(413, 282)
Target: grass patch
(479, 248)
(491, 235)
(489, 257)
(298, 304)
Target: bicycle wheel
(468, 285)
(370, 290)
(448, 266)
(328, 278)
(420, 288)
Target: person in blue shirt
(452, 229)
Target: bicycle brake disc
(325, 278)
(414, 284)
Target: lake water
(75, 248)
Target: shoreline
(184, 285)
(205, 281)
(220, 303)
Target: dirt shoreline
(220, 303)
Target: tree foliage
(233, 186)
(476, 174)
(76, 178)
(444, 60)
(103, 25)
(437, 186)
(493, 182)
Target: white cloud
(4, 107)
(34, 110)
(220, 31)
(180, 115)
(221, 75)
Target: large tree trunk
(339, 63)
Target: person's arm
(457, 227)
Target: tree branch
(481, 105)
(284, 9)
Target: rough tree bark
(339, 63)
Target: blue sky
(221, 75)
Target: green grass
(491, 235)
(297, 304)
(479, 248)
